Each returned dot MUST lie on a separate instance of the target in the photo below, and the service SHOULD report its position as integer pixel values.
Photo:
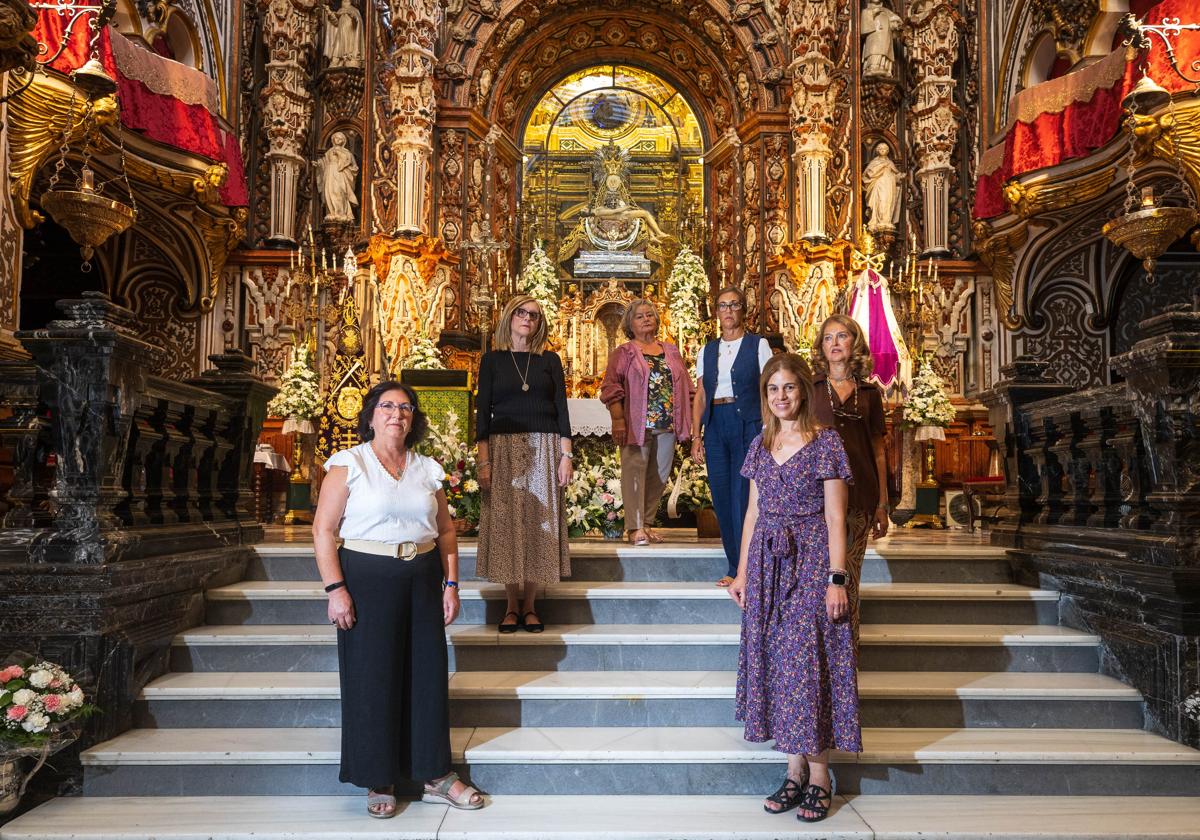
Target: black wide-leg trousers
(393, 664)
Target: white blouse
(383, 508)
(726, 352)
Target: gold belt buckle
(406, 550)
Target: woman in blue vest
(726, 406)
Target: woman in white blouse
(393, 588)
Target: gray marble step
(889, 561)
(628, 602)
(648, 698)
(853, 817)
(680, 647)
(693, 760)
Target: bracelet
(452, 583)
(483, 464)
(331, 587)
(570, 456)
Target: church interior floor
(983, 715)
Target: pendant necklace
(841, 412)
(524, 376)
(399, 473)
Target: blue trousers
(726, 440)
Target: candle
(291, 259)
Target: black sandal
(818, 800)
(530, 626)
(789, 795)
(510, 628)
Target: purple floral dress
(797, 678)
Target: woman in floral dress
(797, 674)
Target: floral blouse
(660, 402)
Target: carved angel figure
(881, 185)
(343, 44)
(881, 26)
(337, 171)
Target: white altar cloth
(589, 417)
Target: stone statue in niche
(881, 26)
(882, 188)
(337, 172)
(343, 44)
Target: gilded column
(291, 30)
(811, 28)
(933, 35)
(407, 75)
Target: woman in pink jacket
(648, 392)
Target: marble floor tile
(982, 634)
(221, 818)
(1029, 817)
(641, 818)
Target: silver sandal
(439, 794)
(374, 798)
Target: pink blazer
(628, 379)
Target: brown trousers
(645, 470)
(858, 529)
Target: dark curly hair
(420, 423)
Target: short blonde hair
(502, 339)
(861, 363)
(631, 313)
(806, 416)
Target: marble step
(672, 602)
(861, 817)
(659, 647)
(923, 558)
(678, 760)
(648, 698)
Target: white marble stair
(613, 817)
(648, 698)
(627, 760)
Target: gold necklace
(524, 376)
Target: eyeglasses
(531, 314)
(729, 305)
(396, 408)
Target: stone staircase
(974, 699)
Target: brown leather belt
(725, 401)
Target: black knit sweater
(504, 409)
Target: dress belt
(404, 550)
(725, 401)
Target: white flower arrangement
(446, 445)
(692, 480)
(35, 698)
(300, 391)
(423, 355)
(539, 280)
(927, 403)
(594, 496)
(687, 285)
(1191, 707)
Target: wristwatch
(838, 578)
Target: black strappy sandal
(531, 626)
(818, 800)
(510, 628)
(789, 795)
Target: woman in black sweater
(524, 438)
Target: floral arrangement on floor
(594, 495)
(35, 699)
(687, 285)
(539, 280)
(423, 355)
(299, 397)
(927, 403)
(445, 444)
(689, 488)
(1191, 707)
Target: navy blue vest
(745, 375)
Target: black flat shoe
(531, 626)
(510, 628)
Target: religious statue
(881, 187)
(880, 25)
(337, 171)
(343, 44)
(613, 201)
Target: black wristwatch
(838, 578)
